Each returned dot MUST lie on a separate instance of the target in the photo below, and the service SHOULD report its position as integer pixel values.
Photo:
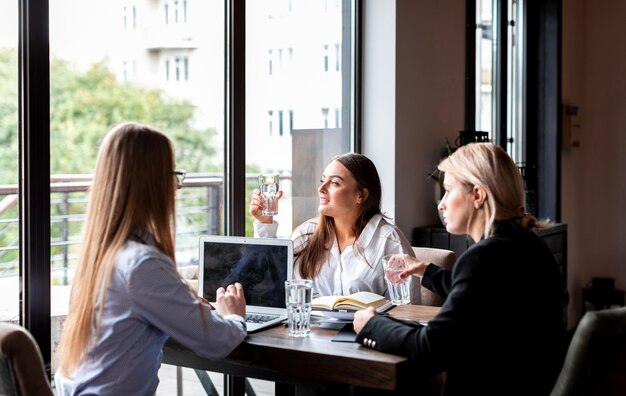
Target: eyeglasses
(180, 177)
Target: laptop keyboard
(259, 318)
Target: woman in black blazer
(500, 330)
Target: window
(9, 199)
(326, 56)
(325, 117)
(515, 95)
(303, 88)
(270, 117)
(498, 74)
(193, 117)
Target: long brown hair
(317, 244)
(133, 191)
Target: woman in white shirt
(342, 249)
(127, 297)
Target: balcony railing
(199, 208)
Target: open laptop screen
(261, 265)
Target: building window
(280, 123)
(325, 118)
(167, 70)
(337, 57)
(290, 121)
(129, 17)
(269, 61)
(326, 56)
(270, 122)
(337, 118)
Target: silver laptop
(261, 265)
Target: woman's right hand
(413, 267)
(231, 300)
(257, 203)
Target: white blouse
(354, 269)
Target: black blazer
(500, 329)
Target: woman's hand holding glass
(413, 267)
(257, 204)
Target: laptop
(261, 265)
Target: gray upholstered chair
(595, 363)
(441, 257)
(22, 369)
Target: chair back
(441, 257)
(22, 370)
(595, 363)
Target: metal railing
(199, 211)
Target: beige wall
(413, 86)
(418, 94)
(594, 174)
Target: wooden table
(308, 362)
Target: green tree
(8, 116)
(85, 105)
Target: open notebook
(261, 265)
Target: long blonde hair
(487, 165)
(133, 191)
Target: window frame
(34, 145)
(541, 97)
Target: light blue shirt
(146, 302)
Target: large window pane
(298, 95)
(9, 216)
(515, 83)
(500, 96)
(156, 62)
(486, 46)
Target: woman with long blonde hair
(127, 297)
(500, 330)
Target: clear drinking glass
(298, 296)
(399, 292)
(269, 186)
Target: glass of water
(393, 266)
(298, 295)
(269, 186)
